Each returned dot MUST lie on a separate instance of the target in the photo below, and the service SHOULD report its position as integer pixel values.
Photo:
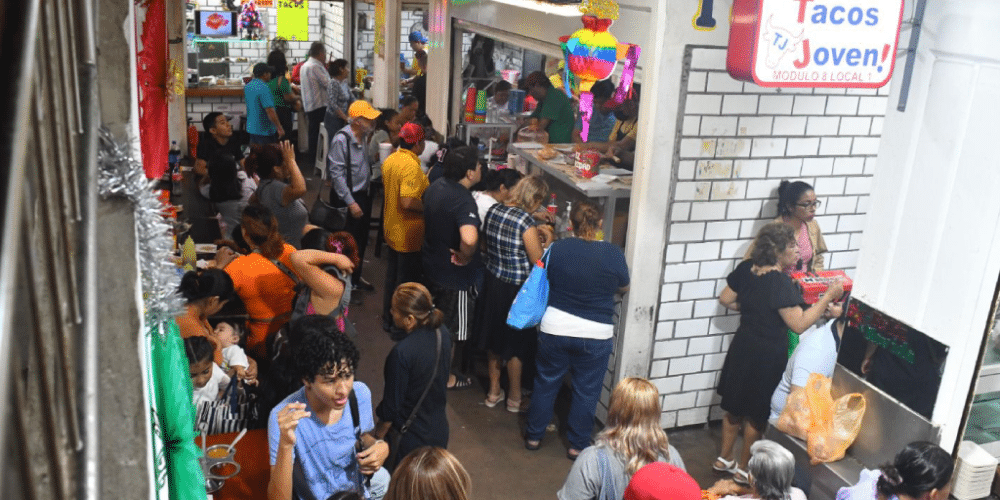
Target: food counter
(558, 168)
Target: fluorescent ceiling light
(558, 10)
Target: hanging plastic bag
(795, 418)
(834, 425)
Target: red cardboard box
(814, 285)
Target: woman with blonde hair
(408, 373)
(585, 273)
(632, 439)
(430, 474)
(512, 246)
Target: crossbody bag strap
(352, 401)
(416, 408)
(349, 165)
(281, 267)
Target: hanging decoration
(380, 28)
(293, 19)
(167, 381)
(250, 21)
(591, 54)
(151, 70)
(175, 80)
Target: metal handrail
(13, 198)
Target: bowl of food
(220, 452)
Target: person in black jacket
(408, 373)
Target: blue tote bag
(531, 301)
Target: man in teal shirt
(262, 121)
(555, 109)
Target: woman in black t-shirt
(769, 304)
(408, 371)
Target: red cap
(660, 481)
(411, 133)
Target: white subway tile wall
(738, 142)
(331, 33)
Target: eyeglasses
(816, 204)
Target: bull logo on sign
(780, 42)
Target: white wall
(331, 34)
(737, 142)
(931, 252)
(712, 152)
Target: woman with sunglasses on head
(797, 206)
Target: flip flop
(730, 465)
(741, 478)
(461, 382)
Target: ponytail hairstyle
(771, 241)
(340, 242)
(198, 285)
(263, 159)
(198, 350)
(413, 299)
(262, 231)
(586, 219)
(789, 194)
(920, 467)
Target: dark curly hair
(772, 239)
(918, 468)
(323, 352)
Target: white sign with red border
(826, 43)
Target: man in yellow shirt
(403, 219)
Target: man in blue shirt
(262, 121)
(312, 433)
(602, 122)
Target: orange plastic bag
(834, 425)
(795, 417)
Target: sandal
(513, 406)
(532, 445)
(741, 478)
(491, 402)
(730, 465)
(572, 454)
(461, 382)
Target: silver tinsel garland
(122, 175)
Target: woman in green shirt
(285, 99)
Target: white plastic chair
(322, 146)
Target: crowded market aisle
(487, 441)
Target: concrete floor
(487, 441)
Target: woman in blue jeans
(576, 332)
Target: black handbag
(324, 214)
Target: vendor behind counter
(555, 110)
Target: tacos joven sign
(814, 43)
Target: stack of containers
(481, 107)
(974, 472)
(515, 104)
(470, 105)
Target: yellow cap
(363, 109)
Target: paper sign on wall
(814, 43)
(261, 3)
(293, 19)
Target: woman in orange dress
(263, 279)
